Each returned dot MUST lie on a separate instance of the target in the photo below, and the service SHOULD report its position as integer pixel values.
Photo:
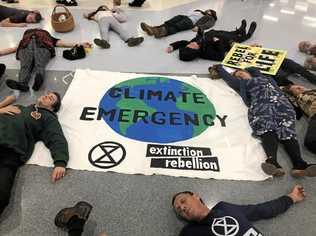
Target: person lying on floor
(13, 17)
(34, 51)
(198, 19)
(271, 117)
(111, 19)
(227, 218)
(20, 128)
(305, 100)
(212, 45)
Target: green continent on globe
(197, 108)
(142, 81)
(134, 104)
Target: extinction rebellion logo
(155, 109)
(182, 158)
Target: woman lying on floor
(271, 117)
(111, 19)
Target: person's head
(242, 74)
(304, 46)
(190, 52)
(33, 17)
(211, 12)
(189, 206)
(50, 101)
(294, 89)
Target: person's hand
(169, 49)
(58, 173)
(298, 194)
(10, 110)
(86, 45)
(195, 29)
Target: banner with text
(147, 124)
(268, 61)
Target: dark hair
(213, 13)
(100, 8)
(287, 89)
(177, 194)
(56, 106)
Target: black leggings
(9, 164)
(310, 137)
(270, 144)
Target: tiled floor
(140, 205)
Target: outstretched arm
(7, 101)
(272, 208)
(7, 23)
(61, 43)
(7, 51)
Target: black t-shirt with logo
(226, 219)
(15, 15)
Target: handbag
(62, 22)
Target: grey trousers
(107, 23)
(33, 60)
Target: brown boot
(147, 28)
(160, 32)
(116, 2)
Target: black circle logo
(107, 155)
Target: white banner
(147, 124)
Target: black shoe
(252, 29)
(38, 81)
(77, 52)
(17, 85)
(2, 69)
(307, 171)
(67, 3)
(242, 28)
(132, 42)
(136, 3)
(81, 210)
(272, 167)
(102, 43)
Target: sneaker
(17, 85)
(242, 28)
(102, 43)
(252, 29)
(2, 69)
(77, 52)
(307, 171)
(147, 28)
(132, 42)
(67, 3)
(38, 81)
(272, 167)
(81, 210)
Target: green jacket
(20, 133)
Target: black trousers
(289, 67)
(229, 36)
(9, 164)
(270, 144)
(310, 137)
(177, 24)
(75, 226)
